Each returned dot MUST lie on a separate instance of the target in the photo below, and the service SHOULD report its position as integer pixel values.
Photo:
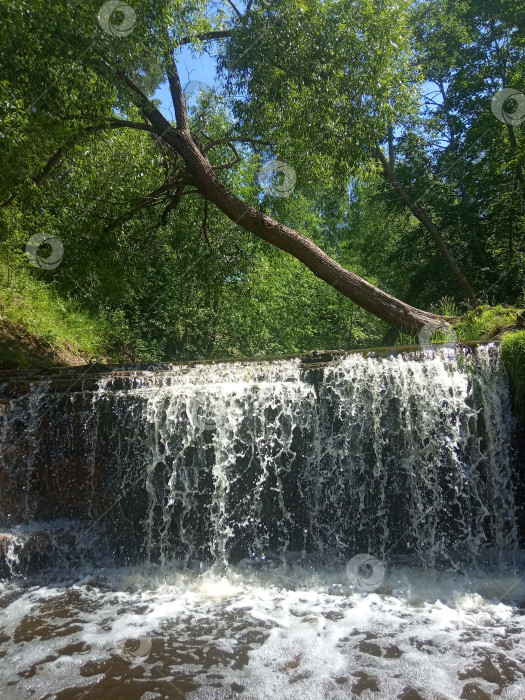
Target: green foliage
(174, 290)
(480, 324)
(37, 310)
(321, 81)
(485, 323)
(456, 158)
(513, 356)
(315, 84)
(446, 306)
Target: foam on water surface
(236, 494)
(286, 631)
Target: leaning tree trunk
(369, 297)
(366, 295)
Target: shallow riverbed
(283, 631)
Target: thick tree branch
(149, 111)
(177, 96)
(206, 36)
(110, 123)
(124, 124)
(161, 126)
(233, 6)
(366, 295)
(423, 217)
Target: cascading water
(396, 455)
(234, 495)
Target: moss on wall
(487, 322)
(513, 356)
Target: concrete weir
(328, 452)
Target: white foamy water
(405, 454)
(186, 533)
(285, 632)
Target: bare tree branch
(231, 163)
(152, 198)
(177, 96)
(232, 5)
(226, 139)
(206, 36)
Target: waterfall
(407, 455)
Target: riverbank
(38, 330)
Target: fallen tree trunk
(369, 297)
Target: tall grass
(37, 310)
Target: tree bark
(366, 295)
(369, 297)
(423, 217)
